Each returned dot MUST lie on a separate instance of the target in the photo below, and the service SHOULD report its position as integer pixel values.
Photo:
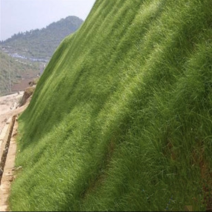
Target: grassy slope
(121, 118)
(17, 70)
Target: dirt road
(8, 108)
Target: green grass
(121, 118)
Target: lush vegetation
(42, 43)
(121, 118)
(13, 70)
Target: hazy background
(24, 15)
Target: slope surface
(121, 117)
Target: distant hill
(41, 44)
(15, 71)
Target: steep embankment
(121, 118)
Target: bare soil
(9, 107)
(23, 84)
(9, 171)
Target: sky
(25, 15)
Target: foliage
(121, 118)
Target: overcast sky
(24, 15)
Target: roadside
(8, 105)
(9, 110)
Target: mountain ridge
(41, 43)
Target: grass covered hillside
(13, 70)
(121, 118)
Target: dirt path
(8, 132)
(8, 175)
(8, 106)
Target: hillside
(15, 71)
(121, 118)
(41, 44)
